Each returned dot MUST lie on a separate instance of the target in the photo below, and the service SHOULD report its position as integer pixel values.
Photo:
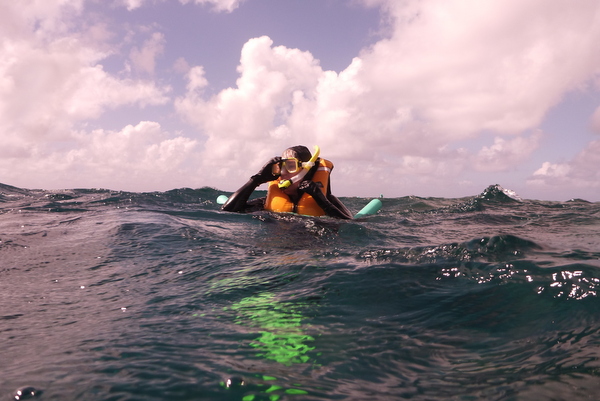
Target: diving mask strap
(306, 166)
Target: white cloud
(128, 158)
(448, 71)
(553, 170)
(144, 59)
(243, 123)
(133, 4)
(26, 18)
(465, 66)
(505, 153)
(51, 79)
(181, 66)
(595, 120)
(45, 89)
(579, 175)
(52, 84)
(217, 5)
(142, 158)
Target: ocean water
(109, 295)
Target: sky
(406, 97)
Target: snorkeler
(298, 183)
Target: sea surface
(108, 295)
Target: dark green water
(160, 296)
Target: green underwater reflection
(282, 337)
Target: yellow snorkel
(306, 166)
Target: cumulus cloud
(54, 77)
(582, 173)
(124, 159)
(217, 5)
(27, 18)
(248, 122)
(144, 58)
(465, 67)
(447, 71)
(133, 4)
(506, 152)
(444, 72)
(181, 66)
(595, 121)
(553, 171)
(51, 80)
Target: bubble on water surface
(235, 382)
(26, 393)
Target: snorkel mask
(292, 165)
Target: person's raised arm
(238, 202)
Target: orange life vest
(278, 201)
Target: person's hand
(309, 187)
(265, 174)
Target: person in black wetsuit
(298, 182)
